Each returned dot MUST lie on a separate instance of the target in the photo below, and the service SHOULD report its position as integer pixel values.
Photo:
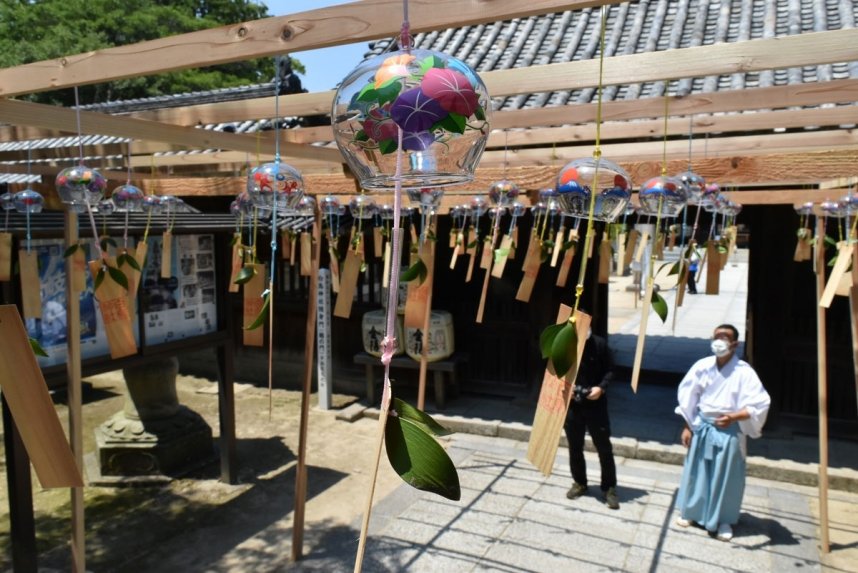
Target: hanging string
(27, 210)
(88, 206)
(597, 155)
(127, 182)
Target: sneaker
(682, 522)
(725, 532)
(576, 491)
(611, 498)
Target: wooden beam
(48, 116)
(839, 183)
(342, 24)
(70, 150)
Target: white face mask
(720, 348)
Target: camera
(580, 393)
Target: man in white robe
(722, 402)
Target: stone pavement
(511, 518)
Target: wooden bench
(438, 368)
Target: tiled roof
(638, 27)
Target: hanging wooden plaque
(417, 298)
(113, 305)
(646, 303)
(487, 253)
(385, 273)
(558, 246)
(671, 241)
(514, 245)
(713, 268)
(502, 256)
(335, 270)
(530, 268)
(5, 256)
(26, 393)
(377, 242)
(457, 248)
(236, 262)
(293, 244)
(641, 246)
(306, 254)
(31, 292)
(568, 257)
(634, 237)
(348, 285)
(621, 254)
(605, 259)
(253, 303)
(844, 257)
(285, 244)
(77, 264)
(802, 247)
(167, 255)
(554, 398)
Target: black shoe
(611, 498)
(576, 491)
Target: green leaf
(363, 267)
(234, 240)
(830, 241)
(107, 241)
(38, 350)
(427, 64)
(244, 275)
(99, 278)
(546, 338)
(368, 93)
(479, 113)
(388, 91)
(361, 136)
(260, 318)
(387, 146)
(132, 262)
(408, 412)
(71, 250)
(659, 306)
(418, 459)
(472, 244)
(454, 123)
(500, 253)
(722, 249)
(568, 245)
(416, 271)
(564, 351)
(833, 260)
(118, 277)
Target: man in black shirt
(588, 411)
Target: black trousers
(591, 418)
(692, 286)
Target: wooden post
(822, 385)
(74, 389)
(309, 342)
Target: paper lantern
(578, 177)
(80, 183)
(668, 193)
(440, 104)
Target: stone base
(164, 447)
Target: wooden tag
(488, 253)
(456, 248)
(671, 241)
(377, 242)
(285, 244)
(531, 269)
(659, 247)
(634, 236)
(844, 257)
(236, 262)
(471, 261)
(253, 303)
(641, 248)
(292, 247)
(414, 237)
(167, 255)
(592, 242)
(646, 303)
(335, 270)
(306, 254)
(502, 256)
(348, 285)
(5, 256)
(454, 234)
(558, 246)
(554, 398)
(418, 296)
(605, 259)
(385, 274)
(683, 282)
(514, 245)
(621, 254)
(713, 268)
(26, 392)
(802, 247)
(566, 265)
(113, 305)
(471, 244)
(77, 264)
(31, 292)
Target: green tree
(35, 30)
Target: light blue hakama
(713, 478)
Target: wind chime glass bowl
(363, 207)
(128, 198)
(426, 197)
(29, 201)
(518, 209)
(832, 209)
(386, 212)
(694, 186)
(503, 192)
(849, 205)
(7, 201)
(106, 207)
(440, 104)
(329, 205)
(479, 206)
(578, 177)
(306, 206)
(668, 193)
(80, 184)
(152, 204)
(275, 179)
(709, 199)
(804, 209)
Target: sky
(327, 66)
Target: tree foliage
(34, 30)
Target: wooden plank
(713, 268)
(5, 256)
(531, 266)
(553, 404)
(428, 255)
(646, 303)
(822, 386)
(844, 258)
(48, 116)
(343, 24)
(839, 183)
(115, 313)
(348, 284)
(252, 306)
(31, 295)
(25, 391)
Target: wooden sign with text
(713, 268)
(26, 393)
(802, 247)
(115, 313)
(621, 254)
(417, 299)
(634, 237)
(554, 397)
(348, 284)
(253, 303)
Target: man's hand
(686, 436)
(595, 393)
